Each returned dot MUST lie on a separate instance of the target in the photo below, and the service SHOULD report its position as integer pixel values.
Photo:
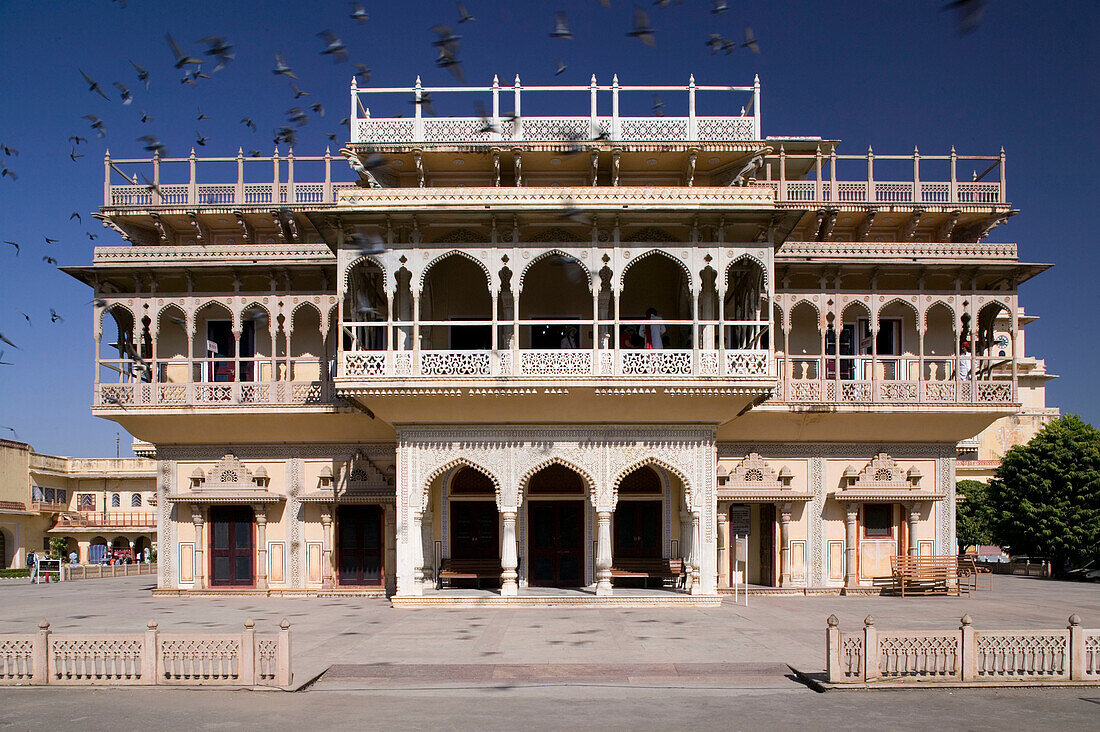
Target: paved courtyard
(723, 667)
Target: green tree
(973, 520)
(1044, 498)
(59, 547)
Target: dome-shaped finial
(832, 621)
(966, 619)
(869, 621)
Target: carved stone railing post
(40, 662)
(284, 675)
(246, 663)
(603, 553)
(508, 559)
(968, 658)
(870, 649)
(1077, 649)
(832, 651)
(150, 674)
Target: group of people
(649, 335)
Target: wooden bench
(648, 568)
(974, 576)
(926, 575)
(469, 569)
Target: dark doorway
(638, 530)
(231, 546)
(360, 545)
(474, 530)
(557, 543)
(767, 544)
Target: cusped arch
(451, 464)
(115, 306)
(457, 252)
(653, 460)
(938, 303)
(359, 260)
(172, 306)
(253, 305)
(821, 325)
(752, 258)
(556, 252)
(586, 476)
(917, 316)
(661, 253)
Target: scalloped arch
(661, 253)
(653, 460)
(752, 258)
(117, 306)
(452, 464)
(457, 252)
(178, 308)
(801, 301)
(359, 260)
(590, 482)
(943, 303)
(901, 301)
(549, 253)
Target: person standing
(32, 565)
(654, 330)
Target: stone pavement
(774, 630)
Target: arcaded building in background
(555, 349)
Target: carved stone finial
(44, 625)
(966, 619)
(1074, 620)
(152, 624)
(832, 621)
(869, 621)
(284, 624)
(249, 623)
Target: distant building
(99, 505)
(557, 351)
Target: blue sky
(888, 74)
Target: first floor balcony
(114, 520)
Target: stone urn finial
(869, 621)
(832, 621)
(249, 623)
(152, 624)
(966, 619)
(1074, 620)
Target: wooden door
(556, 549)
(767, 544)
(638, 530)
(231, 546)
(359, 545)
(474, 530)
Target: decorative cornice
(908, 250)
(238, 254)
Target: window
(49, 495)
(37, 494)
(62, 496)
(85, 502)
(116, 500)
(878, 520)
(135, 500)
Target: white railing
(146, 659)
(966, 654)
(144, 393)
(536, 363)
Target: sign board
(739, 519)
(49, 566)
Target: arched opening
(118, 358)
(708, 309)
(456, 311)
(939, 343)
(746, 305)
(897, 338)
(555, 304)
(474, 521)
(120, 549)
(993, 346)
(307, 348)
(213, 338)
(256, 344)
(171, 341)
(854, 342)
(804, 343)
(141, 549)
(638, 521)
(655, 304)
(556, 520)
(97, 551)
(365, 308)
(116, 500)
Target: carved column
(912, 518)
(696, 585)
(723, 545)
(508, 557)
(200, 566)
(851, 514)
(785, 545)
(603, 553)
(685, 546)
(326, 545)
(427, 548)
(416, 546)
(261, 547)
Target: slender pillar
(723, 545)
(785, 545)
(416, 546)
(200, 543)
(427, 548)
(851, 576)
(261, 547)
(508, 557)
(603, 553)
(326, 546)
(83, 548)
(912, 518)
(696, 584)
(685, 546)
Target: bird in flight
(561, 27)
(143, 75)
(720, 6)
(49, 240)
(248, 123)
(335, 47)
(54, 317)
(154, 145)
(127, 97)
(642, 29)
(359, 14)
(216, 46)
(968, 14)
(27, 318)
(73, 155)
(93, 85)
(181, 59)
(298, 93)
(5, 171)
(77, 139)
(362, 72)
(75, 215)
(200, 140)
(91, 236)
(5, 340)
(97, 125)
(201, 115)
(14, 244)
(463, 14)
(145, 117)
(750, 40)
(317, 109)
(49, 260)
(282, 68)
(561, 67)
(9, 151)
(6, 363)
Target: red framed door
(557, 543)
(360, 545)
(232, 546)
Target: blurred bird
(561, 67)
(331, 137)
(5, 340)
(73, 155)
(714, 42)
(248, 123)
(181, 59)
(335, 47)
(254, 153)
(486, 123)
(49, 260)
(202, 116)
(9, 151)
(447, 37)
(561, 27)
(285, 134)
(93, 85)
(77, 139)
(359, 14)
(367, 244)
(145, 116)
(75, 215)
(27, 318)
(216, 46)
(463, 15)
(7, 172)
(297, 116)
(127, 97)
(298, 93)
(54, 317)
(658, 105)
(317, 109)
(150, 185)
(968, 14)
(97, 125)
(425, 103)
(362, 73)
(448, 60)
(572, 213)
(154, 145)
(282, 68)
(143, 75)
(642, 30)
(750, 40)
(14, 245)
(49, 240)
(200, 140)
(5, 363)
(720, 6)
(91, 236)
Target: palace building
(642, 356)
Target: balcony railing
(557, 363)
(110, 520)
(250, 393)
